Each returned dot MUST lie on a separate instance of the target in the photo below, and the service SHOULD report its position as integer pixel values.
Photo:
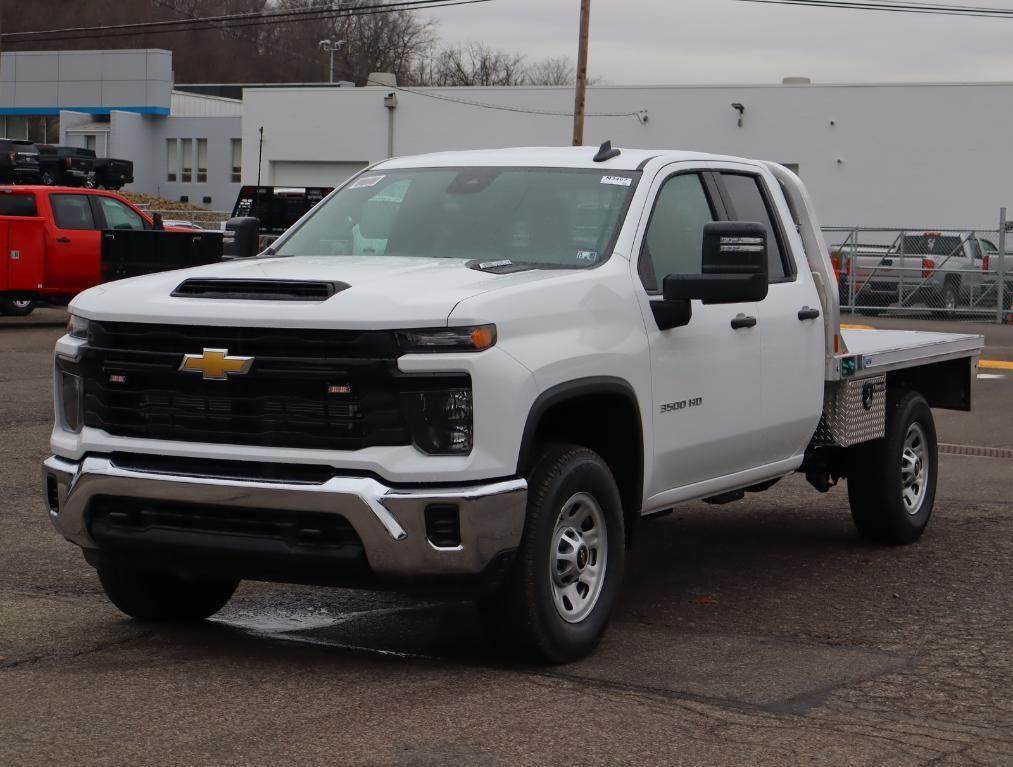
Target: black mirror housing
(246, 232)
(734, 266)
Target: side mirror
(734, 266)
(156, 222)
(246, 233)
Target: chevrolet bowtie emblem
(216, 364)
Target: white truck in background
(479, 371)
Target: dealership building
(122, 103)
(892, 155)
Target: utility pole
(260, 154)
(578, 103)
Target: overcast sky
(724, 41)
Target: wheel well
(604, 419)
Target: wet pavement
(759, 632)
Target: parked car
(19, 162)
(111, 173)
(942, 270)
(275, 207)
(66, 165)
(477, 372)
(54, 238)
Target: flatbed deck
(874, 352)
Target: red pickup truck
(51, 240)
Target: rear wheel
(164, 596)
(17, 307)
(892, 481)
(48, 178)
(555, 603)
(948, 299)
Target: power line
(888, 6)
(231, 21)
(498, 107)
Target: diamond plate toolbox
(853, 411)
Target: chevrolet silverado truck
(56, 242)
(943, 270)
(478, 372)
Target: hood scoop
(259, 290)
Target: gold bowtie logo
(216, 364)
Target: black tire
(948, 299)
(522, 618)
(47, 178)
(876, 480)
(164, 596)
(16, 307)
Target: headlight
(441, 421)
(473, 338)
(77, 327)
(70, 400)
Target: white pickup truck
(478, 371)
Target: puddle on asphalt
(768, 673)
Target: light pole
(329, 46)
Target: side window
(72, 211)
(749, 203)
(674, 240)
(17, 205)
(118, 215)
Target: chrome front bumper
(389, 521)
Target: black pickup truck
(66, 165)
(276, 208)
(111, 173)
(19, 162)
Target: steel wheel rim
(950, 300)
(915, 471)
(21, 303)
(578, 557)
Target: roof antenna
(606, 152)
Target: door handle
(740, 321)
(805, 313)
(63, 239)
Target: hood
(382, 292)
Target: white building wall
(872, 155)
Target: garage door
(296, 173)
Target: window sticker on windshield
(366, 181)
(587, 255)
(616, 180)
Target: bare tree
(472, 64)
(552, 71)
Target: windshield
(540, 216)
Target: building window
(202, 161)
(186, 152)
(237, 160)
(171, 159)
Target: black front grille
(294, 394)
(259, 290)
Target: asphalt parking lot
(763, 632)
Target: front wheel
(164, 596)
(555, 603)
(20, 307)
(892, 481)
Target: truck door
(21, 243)
(789, 329)
(73, 245)
(706, 376)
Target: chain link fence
(945, 273)
(204, 219)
